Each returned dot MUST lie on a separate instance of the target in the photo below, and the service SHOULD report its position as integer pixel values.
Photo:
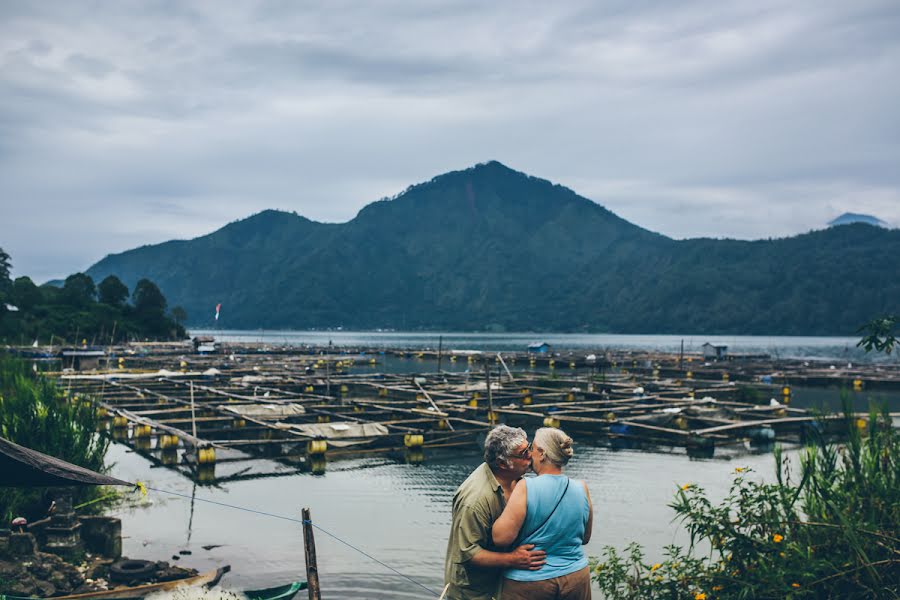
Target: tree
(179, 314)
(79, 290)
(148, 300)
(25, 294)
(113, 291)
(5, 266)
(879, 334)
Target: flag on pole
(218, 308)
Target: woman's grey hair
(557, 446)
(501, 443)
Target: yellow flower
(687, 486)
(777, 538)
(717, 588)
(795, 585)
(781, 554)
(655, 567)
(740, 469)
(699, 596)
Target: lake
(400, 513)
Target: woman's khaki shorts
(574, 586)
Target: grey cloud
(137, 122)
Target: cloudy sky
(128, 123)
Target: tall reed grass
(36, 414)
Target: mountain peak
(848, 218)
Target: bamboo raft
(303, 407)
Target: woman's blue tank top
(560, 537)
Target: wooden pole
(312, 569)
(440, 352)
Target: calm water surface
(400, 513)
(837, 348)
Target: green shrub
(831, 534)
(36, 414)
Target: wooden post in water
(440, 352)
(312, 569)
(487, 378)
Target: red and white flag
(218, 308)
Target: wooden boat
(281, 592)
(208, 579)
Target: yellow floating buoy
(344, 389)
(524, 391)
(120, 422)
(786, 390)
(492, 417)
(551, 422)
(102, 413)
(532, 363)
(413, 440)
(689, 375)
(725, 376)
(206, 456)
(610, 416)
(680, 423)
(443, 424)
(572, 364)
(570, 397)
(857, 385)
(453, 358)
(526, 400)
(383, 392)
(323, 419)
(316, 447)
(372, 361)
(142, 431)
(473, 403)
(691, 394)
(552, 364)
(309, 389)
(239, 423)
(168, 441)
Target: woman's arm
(590, 522)
(508, 524)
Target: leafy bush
(832, 534)
(36, 414)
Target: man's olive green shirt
(477, 504)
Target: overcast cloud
(128, 123)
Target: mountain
(848, 218)
(491, 248)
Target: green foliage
(36, 414)
(835, 533)
(25, 294)
(490, 247)
(148, 300)
(112, 291)
(748, 394)
(879, 334)
(79, 290)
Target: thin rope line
(301, 521)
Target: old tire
(128, 570)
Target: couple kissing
(517, 538)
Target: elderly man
(473, 567)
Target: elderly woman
(555, 514)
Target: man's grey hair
(501, 443)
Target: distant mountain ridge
(491, 248)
